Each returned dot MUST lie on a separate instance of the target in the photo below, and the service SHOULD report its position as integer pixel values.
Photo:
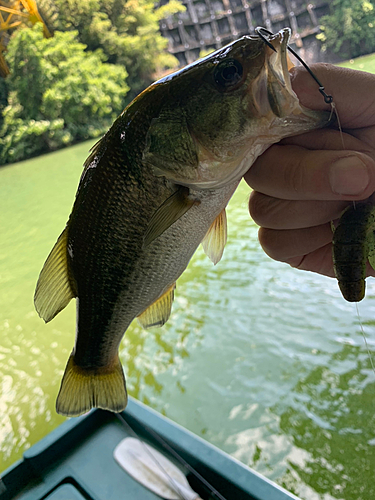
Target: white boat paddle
(153, 470)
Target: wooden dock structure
(207, 25)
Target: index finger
(296, 173)
(353, 92)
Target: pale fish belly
(166, 258)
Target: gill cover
(182, 142)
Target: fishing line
(173, 452)
(263, 33)
(328, 99)
(172, 482)
(364, 337)
(334, 110)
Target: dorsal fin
(94, 151)
(216, 237)
(159, 311)
(169, 212)
(54, 288)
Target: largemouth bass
(153, 188)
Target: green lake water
(265, 362)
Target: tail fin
(83, 389)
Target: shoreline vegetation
(71, 87)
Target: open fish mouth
(273, 91)
(280, 94)
(279, 61)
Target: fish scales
(119, 280)
(154, 188)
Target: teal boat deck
(75, 462)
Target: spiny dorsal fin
(214, 241)
(169, 212)
(158, 313)
(96, 150)
(54, 288)
(83, 389)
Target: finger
(294, 173)
(292, 245)
(366, 135)
(329, 139)
(318, 259)
(352, 91)
(273, 213)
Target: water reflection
(332, 418)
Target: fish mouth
(273, 91)
(280, 95)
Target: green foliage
(3, 97)
(24, 138)
(349, 29)
(126, 30)
(72, 86)
(59, 94)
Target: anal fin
(158, 312)
(216, 237)
(83, 389)
(54, 289)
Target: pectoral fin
(54, 289)
(214, 241)
(169, 212)
(158, 313)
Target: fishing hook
(259, 31)
(263, 33)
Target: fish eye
(228, 74)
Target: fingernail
(349, 176)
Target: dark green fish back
(115, 201)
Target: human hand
(304, 182)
